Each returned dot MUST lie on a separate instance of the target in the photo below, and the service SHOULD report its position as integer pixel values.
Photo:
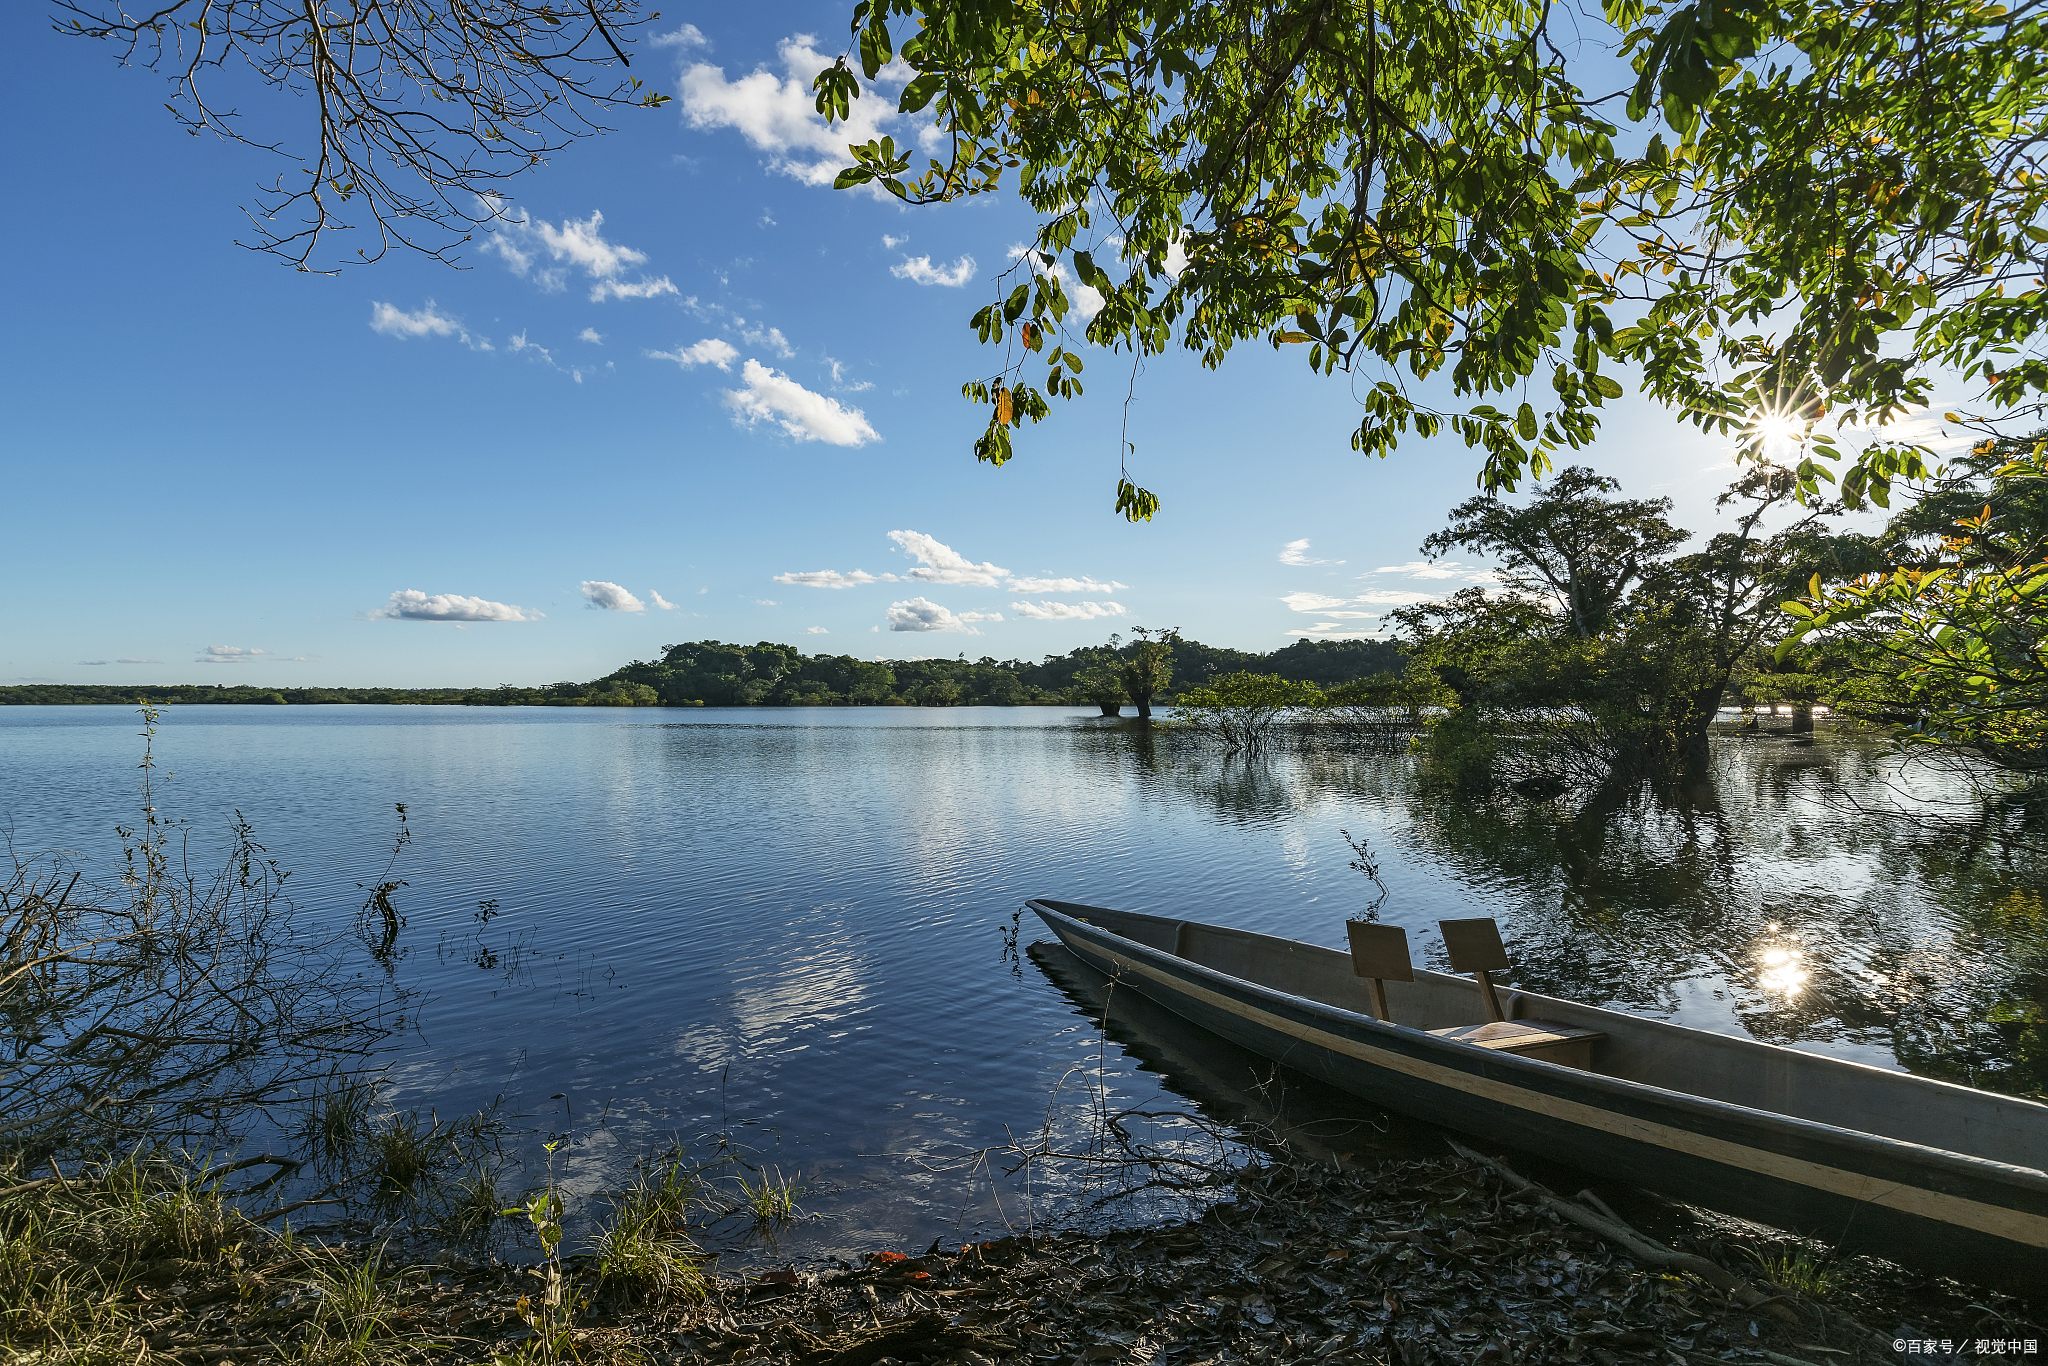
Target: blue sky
(688, 398)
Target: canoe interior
(1738, 1071)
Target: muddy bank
(1438, 1261)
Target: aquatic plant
(173, 1006)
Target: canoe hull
(1982, 1221)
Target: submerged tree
(1244, 711)
(1145, 666)
(1605, 650)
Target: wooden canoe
(1921, 1172)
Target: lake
(634, 926)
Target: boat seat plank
(1543, 1040)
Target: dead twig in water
(1610, 1226)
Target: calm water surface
(788, 923)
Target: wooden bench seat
(1544, 1040)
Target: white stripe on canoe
(2017, 1225)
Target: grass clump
(1800, 1272)
(770, 1199)
(644, 1250)
(354, 1314)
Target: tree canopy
(1818, 206)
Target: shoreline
(1443, 1260)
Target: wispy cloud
(577, 244)
(768, 338)
(426, 321)
(1312, 602)
(591, 335)
(101, 663)
(894, 242)
(228, 654)
(631, 289)
(920, 270)
(922, 614)
(609, 597)
(410, 604)
(1082, 585)
(940, 563)
(816, 631)
(832, 578)
(771, 396)
(1066, 611)
(777, 113)
(1439, 569)
(688, 36)
(1296, 552)
(711, 351)
(1322, 604)
(839, 380)
(659, 601)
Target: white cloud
(609, 597)
(99, 663)
(1312, 602)
(228, 654)
(1082, 585)
(832, 578)
(580, 244)
(1322, 604)
(688, 36)
(766, 602)
(659, 601)
(839, 379)
(711, 351)
(816, 631)
(631, 289)
(429, 321)
(940, 563)
(1066, 611)
(922, 614)
(409, 604)
(894, 242)
(920, 270)
(1439, 569)
(771, 338)
(591, 335)
(777, 113)
(1296, 552)
(771, 396)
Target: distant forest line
(714, 673)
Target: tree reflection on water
(1827, 894)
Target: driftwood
(1609, 1225)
